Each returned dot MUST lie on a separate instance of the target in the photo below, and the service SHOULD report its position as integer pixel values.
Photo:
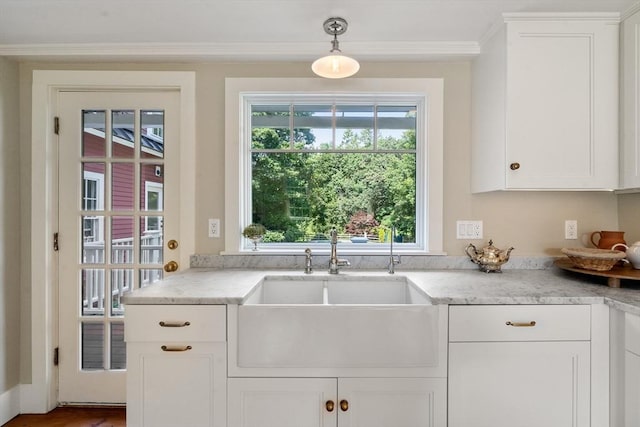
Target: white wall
(9, 229)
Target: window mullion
(291, 130)
(375, 127)
(334, 123)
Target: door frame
(41, 395)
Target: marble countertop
(547, 286)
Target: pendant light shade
(335, 65)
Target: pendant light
(335, 65)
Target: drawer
(632, 333)
(182, 323)
(520, 323)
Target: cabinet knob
(171, 266)
(172, 244)
(329, 404)
(344, 405)
(514, 166)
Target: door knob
(344, 405)
(171, 266)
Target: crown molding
(631, 11)
(612, 17)
(492, 31)
(290, 51)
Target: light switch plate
(469, 230)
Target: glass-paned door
(118, 170)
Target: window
(153, 192)
(92, 201)
(361, 161)
(349, 164)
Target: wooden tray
(614, 276)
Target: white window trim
(99, 179)
(152, 187)
(237, 171)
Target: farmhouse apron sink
(343, 321)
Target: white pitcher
(633, 253)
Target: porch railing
(122, 275)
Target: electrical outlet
(571, 229)
(469, 230)
(214, 227)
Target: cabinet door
(632, 390)
(523, 384)
(632, 370)
(396, 402)
(562, 97)
(282, 402)
(630, 92)
(177, 385)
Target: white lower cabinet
(632, 389)
(178, 388)
(524, 366)
(176, 366)
(524, 384)
(632, 371)
(281, 402)
(393, 402)
(342, 402)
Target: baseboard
(33, 400)
(9, 404)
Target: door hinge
(56, 247)
(56, 125)
(56, 356)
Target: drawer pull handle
(176, 348)
(521, 324)
(329, 405)
(173, 324)
(344, 405)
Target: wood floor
(73, 417)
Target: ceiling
(261, 29)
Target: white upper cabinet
(545, 104)
(630, 94)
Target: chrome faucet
(393, 259)
(334, 261)
(308, 266)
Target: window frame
(96, 219)
(365, 99)
(158, 188)
(429, 141)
